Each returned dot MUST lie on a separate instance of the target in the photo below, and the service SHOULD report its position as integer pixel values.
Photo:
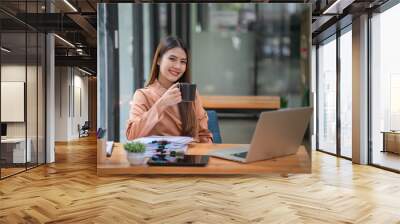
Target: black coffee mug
(188, 91)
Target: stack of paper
(176, 143)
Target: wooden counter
(118, 164)
(241, 102)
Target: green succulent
(135, 147)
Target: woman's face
(173, 64)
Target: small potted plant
(135, 152)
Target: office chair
(84, 130)
(213, 126)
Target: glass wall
(230, 29)
(258, 54)
(125, 63)
(259, 50)
(22, 79)
(346, 93)
(334, 63)
(13, 120)
(385, 89)
(326, 88)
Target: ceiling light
(338, 6)
(70, 5)
(80, 51)
(65, 41)
(84, 71)
(5, 50)
(333, 6)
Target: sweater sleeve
(142, 116)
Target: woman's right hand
(171, 97)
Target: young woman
(157, 109)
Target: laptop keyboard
(240, 154)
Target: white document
(173, 139)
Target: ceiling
(75, 21)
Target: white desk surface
(20, 152)
(13, 140)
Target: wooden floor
(386, 159)
(70, 192)
(10, 171)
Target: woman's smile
(174, 72)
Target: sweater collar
(158, 88)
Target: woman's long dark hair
(186, 109)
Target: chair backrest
(86, 125)
(213, 125)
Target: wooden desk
(118, 164)
(391, 141)
(241, 102)
(13, 150)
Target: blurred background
(237, 49)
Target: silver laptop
(278, 133)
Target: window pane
(327, 97)
(386, 89)
(345, 94)
(126, 64)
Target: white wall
(12, 73)
(61, 103)
(80, 103)
(71, 102)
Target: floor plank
(69, 191)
